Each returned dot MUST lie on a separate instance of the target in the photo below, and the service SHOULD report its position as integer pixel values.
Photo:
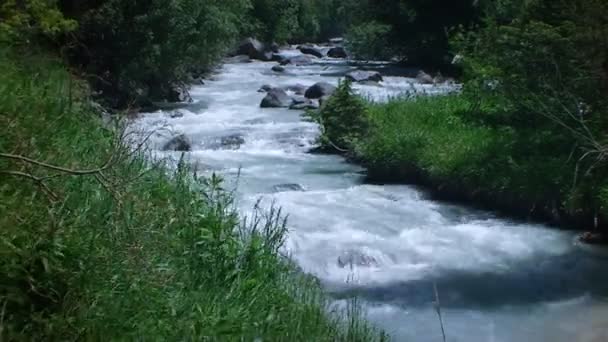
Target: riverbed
(389, 245)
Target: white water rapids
(498, 280)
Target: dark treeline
(133, 51)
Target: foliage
(369, 41)
(144, 48)
(542, 68)
(22, 20)
(136, 250)
(343, 118)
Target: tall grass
(441, 142)
(137, 251)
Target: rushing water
(498, 280)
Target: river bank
(101, 241)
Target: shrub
(343, 119)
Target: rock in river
(364, 76)
(298, 60)
(311, 50)
(319, 90)
(337, 52)
(276, 98)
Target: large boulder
(298, 60)
(311, 50)
(319, 90)
(424, 78)
(364, 76)
(337, 52)
(254, 49)
(276, 98)
(179, 143)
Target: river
(389, 245)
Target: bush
(343, 119)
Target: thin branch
(105, 166)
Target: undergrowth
(99, 243)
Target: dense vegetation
(528, 132)
(98, 242)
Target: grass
(463, 152)
(132, 250)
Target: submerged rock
(311, 50)
(278, 68)
(298, 60)
(319, 90)
(276, 98)
(356, 258)
(364, 76)
(233, 141)
(337, 52)
(179, 143)
(288, 187)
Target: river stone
(308, 104)
(298, 60)
(337, 52)
(233, 141)
(254, 49)
(276, 98)
(311, 50)
(288, 187)
(278, 68)
(279, 58)
(424, 78)
(356, 258)
(179, 143)
(364, 76)
(319, 90)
